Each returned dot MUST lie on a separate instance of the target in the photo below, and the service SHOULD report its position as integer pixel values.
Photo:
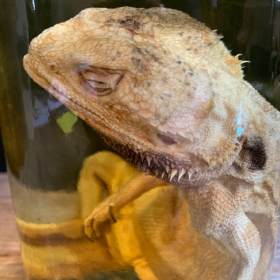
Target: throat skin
(163, 90)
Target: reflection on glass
(75, 218)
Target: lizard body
(164, 91)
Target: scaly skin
(165, 92)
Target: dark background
(2, 157)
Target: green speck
(67, 121)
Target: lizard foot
(100, 214)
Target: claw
(95, 232)
(90, 229)
(111, 214)
(102, 213)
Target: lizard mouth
(152, 164)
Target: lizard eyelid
(101, 81)
(97, 90)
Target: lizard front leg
(216, 213)
(127, 193)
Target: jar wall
(46, 144)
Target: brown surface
(10, 260)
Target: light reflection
(214, 3)
(33, 4)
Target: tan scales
(166, 93)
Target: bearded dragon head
(151, 82)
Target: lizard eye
(101, 81)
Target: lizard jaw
(180, 174)
(154, 164)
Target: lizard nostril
(53, 67)
(166, 139)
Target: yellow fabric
(71, 229)
(103, 174)
(63, 251)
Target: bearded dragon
(164, 91)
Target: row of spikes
(158, 164)
(172, 173)
(232, 150)
(151, 161)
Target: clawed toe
(112, 216)
(99, 215)
(91, 229)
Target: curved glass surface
(76, 217)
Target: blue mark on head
(239, 121)
(239, 131)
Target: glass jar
(46, 146)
